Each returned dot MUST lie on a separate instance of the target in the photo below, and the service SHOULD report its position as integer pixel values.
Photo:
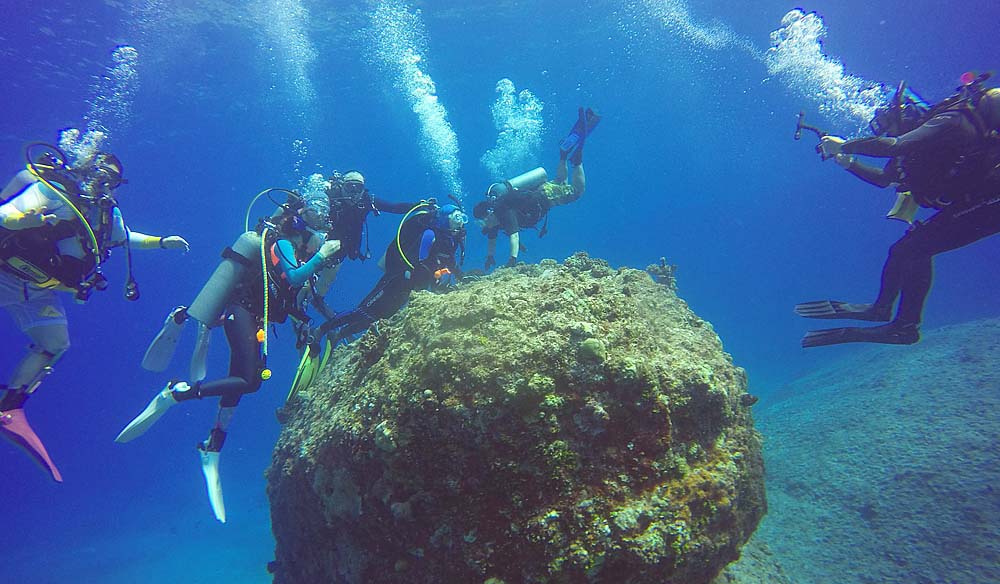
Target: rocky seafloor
(552, 423)
(885, 466)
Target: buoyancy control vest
(33, 254)
(964, 167)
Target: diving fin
(835, 309)
(156, 408)
(14, 425)
(888, 334)
(312, 362)
(210, 468)
(586, 121)
(199, 358)
(161, 350)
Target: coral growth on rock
(550, 423)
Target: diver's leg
(48, 345)
(387, 297)
(245, 365)
(245, 362)
(945, 231)
(41, 316)
(579, 181)
(562, 170)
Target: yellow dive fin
(905, 208)
(312, 362)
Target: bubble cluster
(399, 47)
(313, 191)
(796, 57)
(518, 120)
(113, 92)
(676, 17)
(81, 147)
(284, 24)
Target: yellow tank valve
(260, 335)
(265, 374)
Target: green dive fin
(313, 360)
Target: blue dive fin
(586, 121)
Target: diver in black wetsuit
(949, 162)
(345, 211)
(426, 248)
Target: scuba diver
(428, 246)
(525, 200)
(344, 212)
(58, 225)
(258, 283)
(946, 157)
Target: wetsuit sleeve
(887, 147)
(389, 207)
(297, 275)
(879, 177)
(426, 241)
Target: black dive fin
(888, 334)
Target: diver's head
(101, 175)
(353, 184)
(316, 214)
(451, 217)
(904, 112)
(989, 108)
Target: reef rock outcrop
(549, 423)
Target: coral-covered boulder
(550, 423)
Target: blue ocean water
(693, 162)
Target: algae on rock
(551, 423)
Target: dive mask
(904, 113)
(353, 188)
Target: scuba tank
(238, 260)
(522, 182)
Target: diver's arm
(887, 147)
(389, 207)
(873, 175)
(142, 241)
(297, 275)
(426, 241)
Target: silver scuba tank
(527, 181)
(218, 290)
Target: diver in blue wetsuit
(245, 297)
(427, 247)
